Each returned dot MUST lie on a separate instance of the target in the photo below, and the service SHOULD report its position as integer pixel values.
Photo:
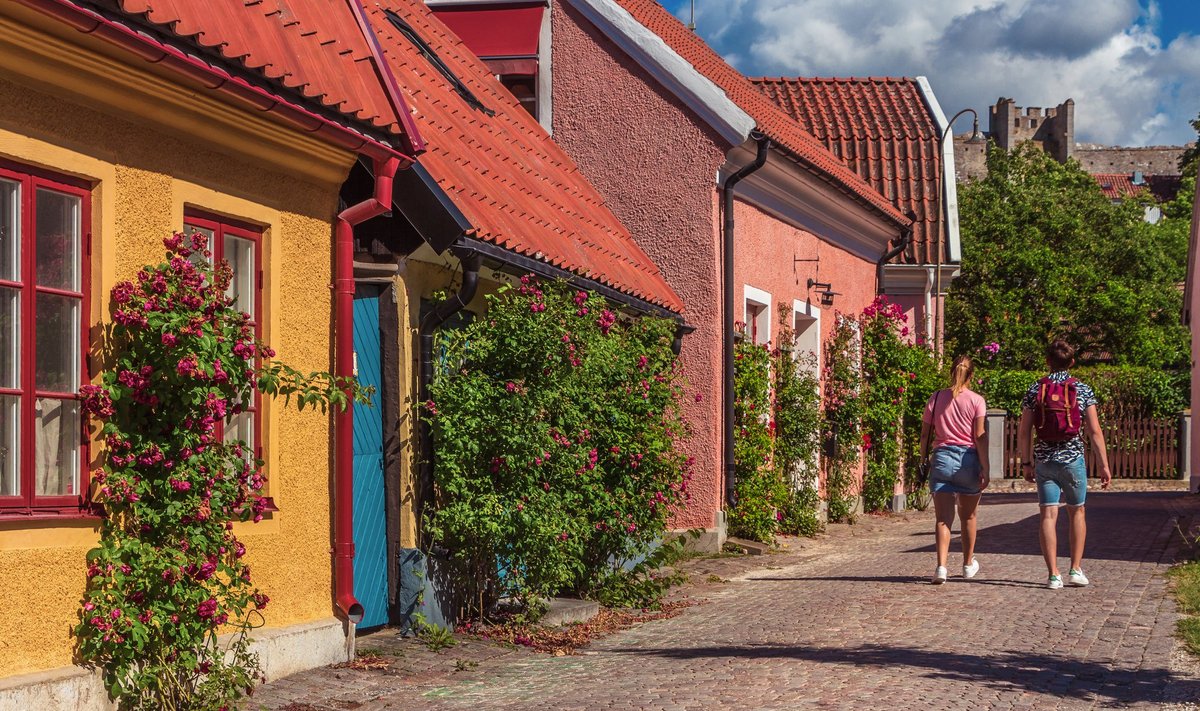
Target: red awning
(504, 30)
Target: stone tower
(1052, 129)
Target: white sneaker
(939, 575)
(970, 571)
(1055, 582)
(1076, 578)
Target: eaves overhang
(801, 197)
(899, 279)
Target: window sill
(65, 513)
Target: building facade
(678, 122)
(112, 138)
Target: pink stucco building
(658, 122)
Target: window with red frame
(43, 341)
(240, 245)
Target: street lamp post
(975, 139)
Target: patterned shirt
(1072, 449)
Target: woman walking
(958, 473)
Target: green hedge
(1128, 390)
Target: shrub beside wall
(556, 429)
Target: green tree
(1045, 254)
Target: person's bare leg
(943, 507)
(1049, 538)
(1077, 535)
(967, 505)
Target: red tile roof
(1117, 186)
(882, 129)
(315, 49)
(770, 119)
(511, 181)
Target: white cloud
(1128, 87)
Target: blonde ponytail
(960, 374)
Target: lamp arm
(950, 123)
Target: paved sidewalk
(851, 622)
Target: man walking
(1058, 407)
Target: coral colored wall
(143, 179)
(764, 252)
(656, 165)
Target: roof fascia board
(667, 67)
(949, 184)
(787, 191)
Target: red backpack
(1057, 409)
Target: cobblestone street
(851, 622)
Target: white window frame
(758, 297)
(807, 309)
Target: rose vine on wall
(169, 573)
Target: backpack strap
(1040, 404)
(1072, 400)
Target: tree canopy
(1046, 254)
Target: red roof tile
(770, 119)
(882, 129)
(1117, 186)
(314, 48)
(511, 181)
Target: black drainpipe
(470, 261)
(905, 238)
(760, 159)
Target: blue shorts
(954, 469)
(1062, 483)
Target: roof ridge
(801, 79)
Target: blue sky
(1132, 66)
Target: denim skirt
(954, 469)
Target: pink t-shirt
(953, 418)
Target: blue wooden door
(370, 517)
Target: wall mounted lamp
(824, 290)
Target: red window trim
(221, 226)
(28, 506)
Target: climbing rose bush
(894, 365)
(759, 486)
(843, 402)
(556, 441)
(169, 573)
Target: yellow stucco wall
(144, 178)
(421, 280)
